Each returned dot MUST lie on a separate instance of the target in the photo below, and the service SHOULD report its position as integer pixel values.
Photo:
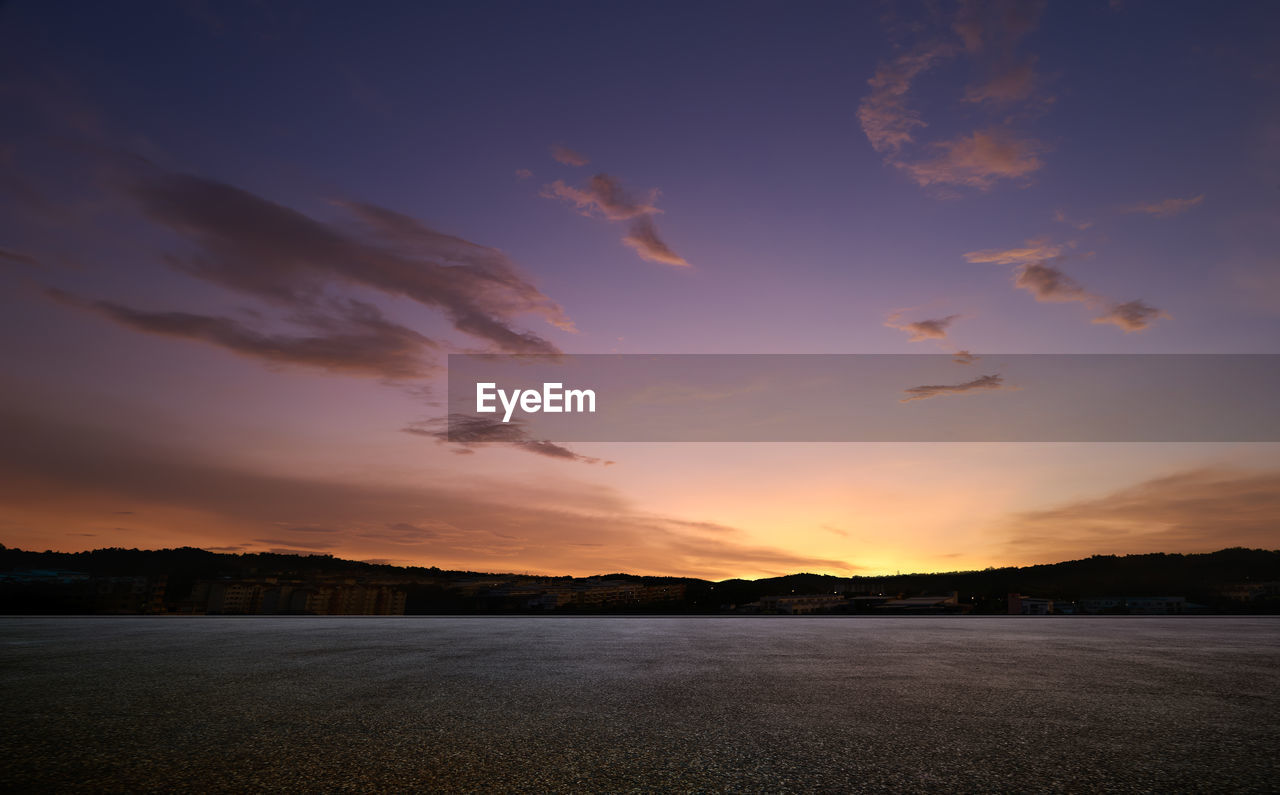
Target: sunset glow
(237, 248)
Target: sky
(239, 240)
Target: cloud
(1192, 511)
(884, 115)
(311, 529)
(991, 31)
(707, 527)
(964, 357)
(467, 431)
(980, 384)
(353, 339)
(463, 277)
(977, 160)
(1131, 315)
(988, 33)
(1032, 251)
(1034, 273)
(643, 237)
(568, 157)
(1047, 283)
(309, 544)
(605, 197)
(523, 173)
(272, 252)
(921, 330)
(58, 474)
(1166, 207)
(406, 533)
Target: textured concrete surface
(634, 704)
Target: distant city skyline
(238, 241)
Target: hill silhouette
(1215, 580)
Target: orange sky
(236, 251)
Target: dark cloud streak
(983, 383)
(354, 339)
(467, 431)
(273, 252)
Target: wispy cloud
(307, 545)
(407, 533)
(977, 160)
(921, 330)
(272, 252)
(643, 238)
(992, 31)
(1165, 207)
(466, 431)
(523, 173)
(989, 34)
(568, 157)
(302, 271)
(350, 338)
(1033, 250)
(61, 474)
(985, 383)
(886, 119)
(1036, 271)
(605, 197)
(1193, 511)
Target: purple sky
(237, 241)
